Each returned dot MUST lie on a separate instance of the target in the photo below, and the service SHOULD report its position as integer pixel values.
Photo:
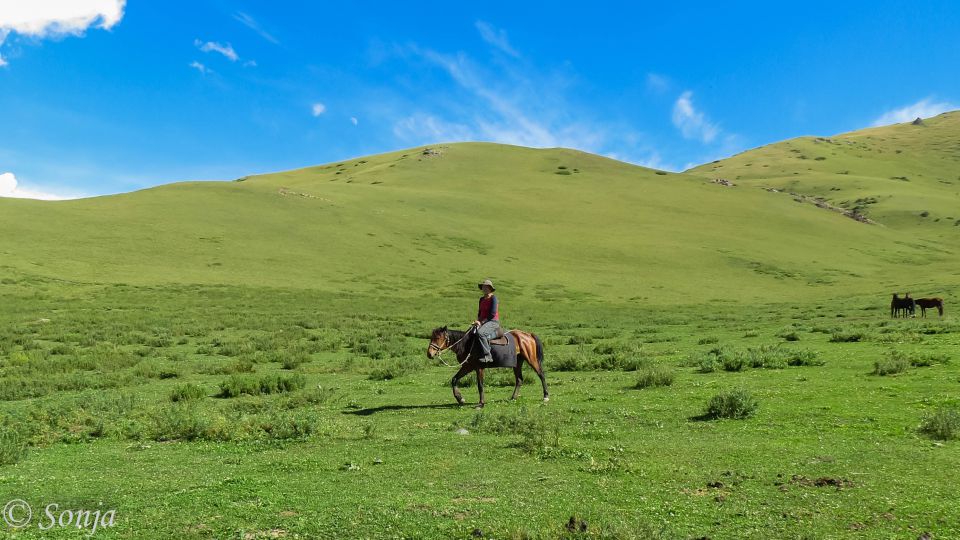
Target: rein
(440, 350)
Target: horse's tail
(940, 306)
(539, 349)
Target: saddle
(501, 338)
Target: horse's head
(438, 342)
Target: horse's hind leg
(518, 377)
(530, 353)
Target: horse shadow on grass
(373, 410)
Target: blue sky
(102, 96)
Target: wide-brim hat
(486, 282)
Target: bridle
(440, 350)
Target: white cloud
(9, 187)
(200, 67)
(48, 18)
(213, 46)
(252, 24)
(250, 63)
(353, 120)
(925, 108)
(692, 123)
(422, 127)
(496, 37)
(515, 112)
(509, 102)
(657, 83)
(318, 108)
(56, 18)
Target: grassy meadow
(247, 359)
(229, 412)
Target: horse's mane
(452, 334)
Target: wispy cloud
(10, 187)
(422, 127)
(318, 108)
(925, 108)
(213, 46)
(657, 83)
(514, 112)
(200, 67)
(353, 120)
(496, 37)
(252, 24)
(693, 124)
(45, 19)
(513, 103)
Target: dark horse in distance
(931, 303)
(902, 307)
(511, 350)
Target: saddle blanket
(503, 355)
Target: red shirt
(489, 309)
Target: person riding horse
(488, 318)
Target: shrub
(766, 356)
(296, 424)
(238, 385)
(804, 358)
(221, 368)
(708, 361)
(12, 447)
(294, 359)
(709, 340)
(179, 422)
(565, 363)
(847, 337)
(733, 362)
(943, 424)
(893, 364)
(655, 376)
(738, 403)
(928, 359)
(790, 336)
(539, 434)
(391, 369)
(187, 392)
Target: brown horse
(528, 347)
(925, 303)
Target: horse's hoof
(546, 399)
(479, 406)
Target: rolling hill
(547, 223)
(904, 176)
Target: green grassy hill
(550, 223)
(904, 176)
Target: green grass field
(247, 359)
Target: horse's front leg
(456, 378)
(483, 401)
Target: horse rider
(488, 318)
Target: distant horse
(900, 307)
(527, 347)
(925, 303)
